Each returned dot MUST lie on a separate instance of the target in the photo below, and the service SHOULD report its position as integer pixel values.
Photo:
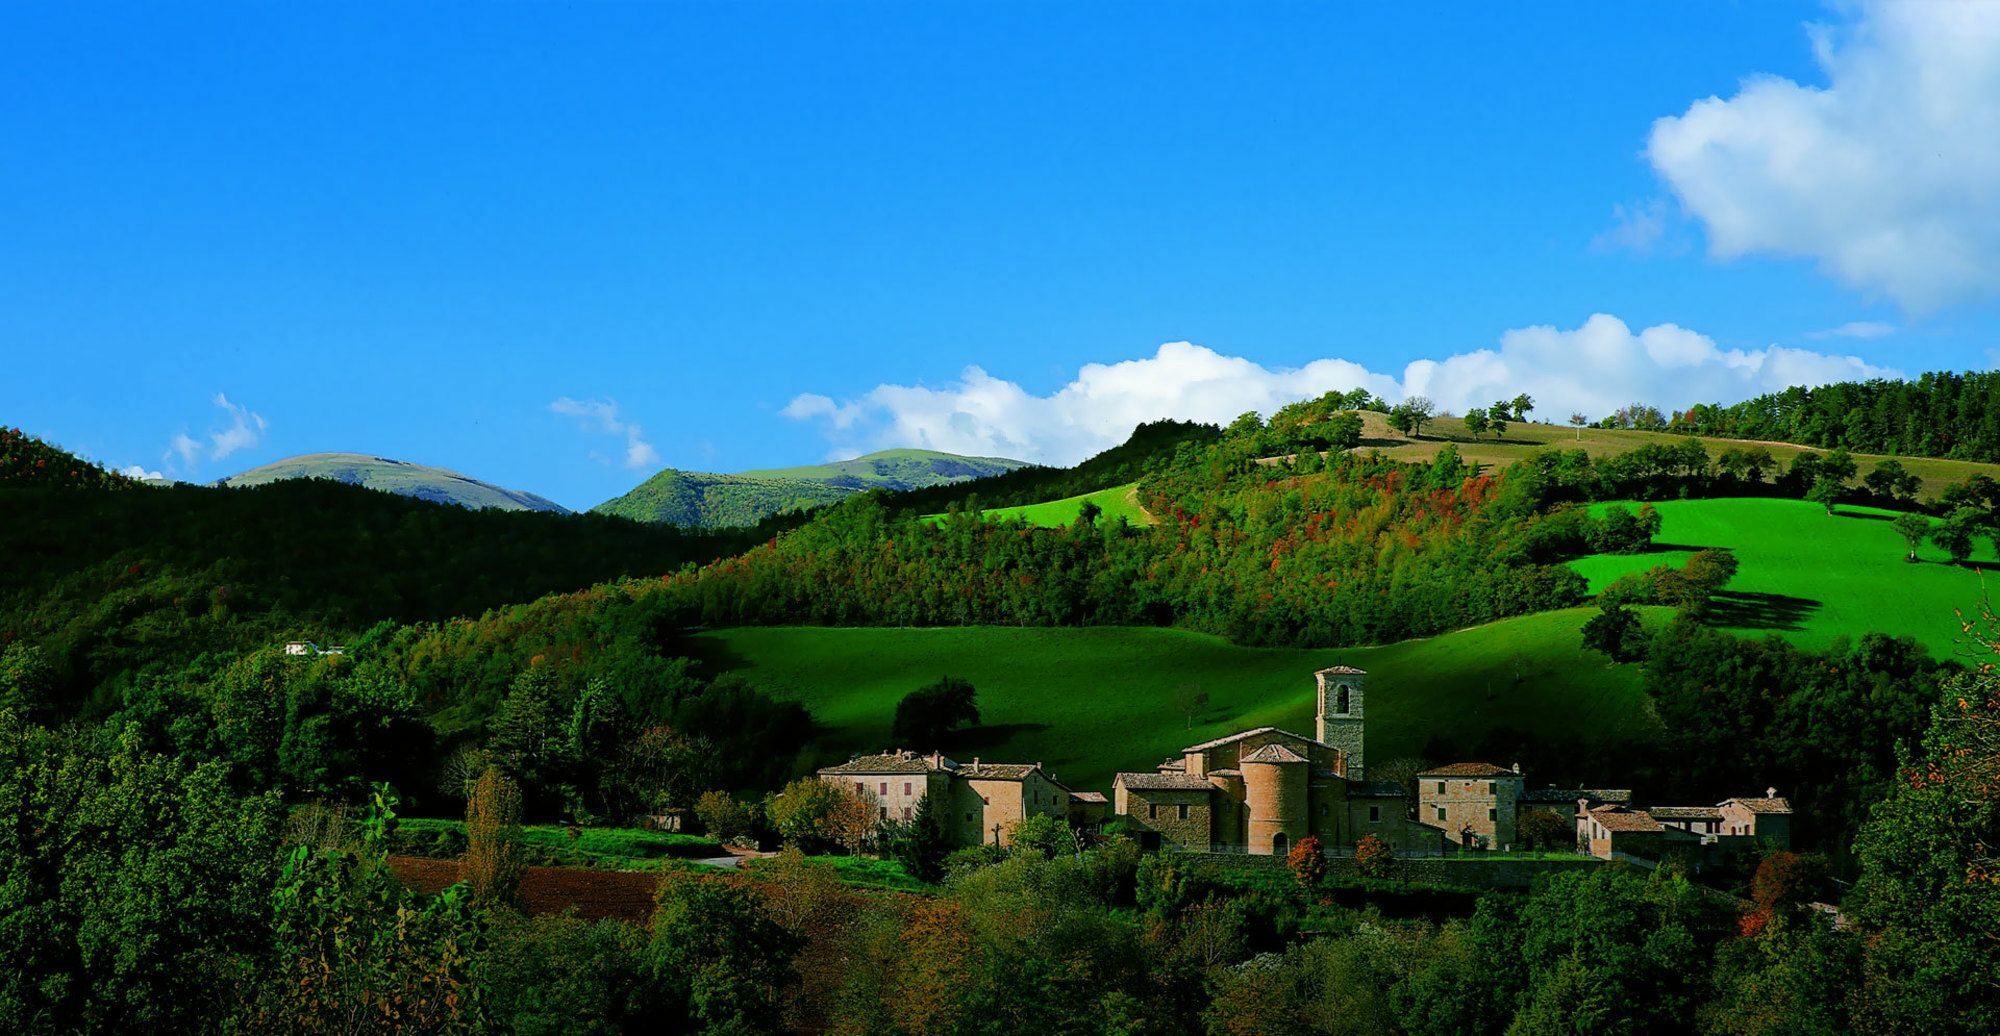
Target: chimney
(1770, 793)
(1517, 766)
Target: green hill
(1116, 502)
(395, 476)
(1809, 575)
(1089, 702)
(697, 499)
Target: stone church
(1262, 791)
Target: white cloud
(1635, 228)
(1884, 175)
(1593, 368)
(245, 429)
(138, 471)
(1854, 329)
(602, 416)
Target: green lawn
(1089, 702)
(1811, 576)
(553, 844)
(1116, 502)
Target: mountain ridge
(401, 477)
(703, 499)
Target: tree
(717, 956)
(1890, 481)
(1955, 535)
(1087, 514)
(1498, 415)
(1545, 829)
(1826, 492)
(803, 813)
(1374, 858)
(1410, 416)
(1756, 461)
(922, 844)
(492, 866)
(1839, 466)
(1307, 862)
(1577, 421)
(27, 681)
(927, 714)
(1616, 632)
(1041, 833)
(723, 816)
(1523, 405)
(1914, 528)
(1190, 701)
(1476, 421)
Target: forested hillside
(28, 461)
(1937, 415)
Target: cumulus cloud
(1884, 175)
(245, 429)
(1593, 368)
(602, 417)
(138, 471)
(1634, 228)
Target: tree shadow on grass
(985, 737)
(1760, 611)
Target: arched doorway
(1280, 845)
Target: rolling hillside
(395, 476)
(1522, 440)
(695, 499)
(1116, 502)
(1811, 576)
(1090, 702)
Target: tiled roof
(887, 762)
(1760, 805)
(1176, 763)
(997, 771)
(1343, 670)
(1569, 796)
(1241, 734)
(1376, 790)
(1161, 782)
(1685, 813)
(1468, 770)
(1087, 796)
(1274, 753)
(1615, 819)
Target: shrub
(1307, 862)
(1374, 858)
(493, 839)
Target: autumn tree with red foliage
(1307, 862)
(1373, 857)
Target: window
(1493, 814)
(860, 788)
(1181, 810)
(906, 787)
(885, 812)
(906, 814)
(984, 801)
(968, 818)
(885, 787)
(1152, 811)
(1340, 701)
(1374, 814)
(1440, 787)
(1440, 812)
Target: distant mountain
(396, 476)
(707, 500)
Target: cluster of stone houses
(1262, 791)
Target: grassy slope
(1089, 702)
(394, 476)
(1118, 501)
(1811, 576)
(1522, 440)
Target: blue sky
(558, 246)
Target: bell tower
(1338, 720)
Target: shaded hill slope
(400, 477)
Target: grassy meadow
(1811, 576)
(1522, 440)
(1116, 502)
(1089, 702)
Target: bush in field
(1373, 857)
(723, 817)
(1044, 834)
(1307, 862)
(492, 864)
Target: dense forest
(1939, 414)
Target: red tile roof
(1469, 770)
(1274, 753)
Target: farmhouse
(1262, 791)
(981, 801)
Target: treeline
(1938, 415)
(150, 892)
(28, 461)
(1150, 445)
(109, 583)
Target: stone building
(1703, 833)
(981, 801)
(1472, 803)
(1262, 791)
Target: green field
(1808, 575)
(1116, 502)
(1090, 702)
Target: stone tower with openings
(1339, 713)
